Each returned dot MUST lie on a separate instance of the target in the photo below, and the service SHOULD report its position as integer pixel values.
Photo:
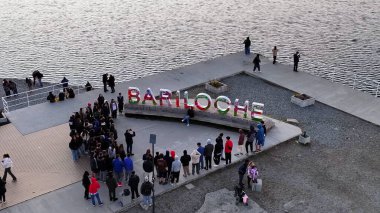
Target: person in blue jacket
(128, 165)
(118, 165)
(201, 150)
(260, 137)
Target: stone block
(302, 103)
(304, 140)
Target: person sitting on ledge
(190, 114)
(71, 93)
(88, 86)
(51, 97)
(61, 96)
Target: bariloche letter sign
(165, 97)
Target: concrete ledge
(204, 117)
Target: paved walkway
(357, 103)
(43, 161)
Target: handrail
(32, 97)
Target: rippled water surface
(132, 38)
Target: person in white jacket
(7, 164)
(195, 157)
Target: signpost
(152, 140)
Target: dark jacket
(185, 160)
(256, 61)
(219, 140)
(146, 188)
(111, 81)
(111, 182)
(190, 113)
(169, 160)
(148, 166)
(129, 137)
(2, 187)
(209, 148)
(218, 149)
(104, 78)
(86, 180)
(134, 181)
(243, 169)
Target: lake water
(135, 38)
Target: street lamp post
(152, 140)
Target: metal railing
(36, 96)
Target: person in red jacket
(93, 189)
(228, 149)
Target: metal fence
(36, 96)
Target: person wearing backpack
(242, 171)
(146, 191)
(251, 136)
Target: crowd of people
(93, 134)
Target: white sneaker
(187, 124)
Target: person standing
(86, 184)
(128, 165)
(218, 153)
(162, 172)
(6, 88)
(242, 171)
(65, 82)
(256, 63)
(228, 149)
(296, 58)
(146, 191)
(37, 75)
(134, 184)
(219, 140)
(185, 160)
(247, 45)
(176, 168)
(252, 174)
(260, 137)
(2, 192)
(13, 87)
(129, 134)
(240, 142)
(113, 107)
(7, 164)
(29, 83)
(74, 146)
(251, 136)
(195, 156)
(209, 148)
(148, 165)
(201, 150)
(93, 189)
(274, 52)
(111, 185)
(117, 164)
(105, 80)
(120, 102)
(111, 83)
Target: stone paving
(42, 162)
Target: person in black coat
(105, 79)
(129, 134)
(2, 191)
(120, 102)
(256, 63)
(209, 148)
(296, 58)
(219, 142)
(86, 184)
(111, 83)
(134, 184)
